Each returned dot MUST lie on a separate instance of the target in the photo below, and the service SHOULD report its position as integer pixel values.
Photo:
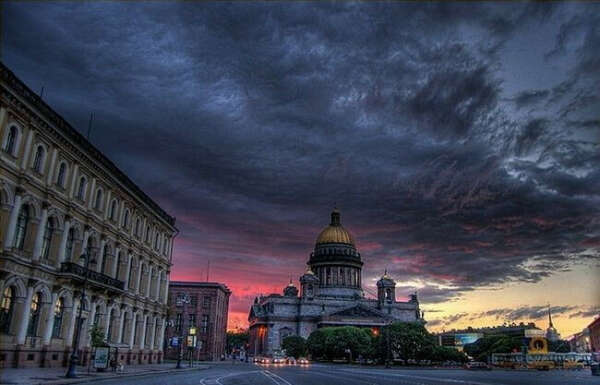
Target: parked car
(302, 361)
(477, 366)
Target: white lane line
(273, 375)
(216, 380)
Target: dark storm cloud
(248, 121)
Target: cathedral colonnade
(67, 213)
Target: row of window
(191, 322)
(10, 147)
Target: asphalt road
(316, 374)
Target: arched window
(69, 246)
(48, 232)
(165, 246)
(11, 140)
(113, 210)
(59, 308)
(22, 224)
(147, 236)
(137, 227)
(38, 159)
(156, 241)
(81, 188)
(97, 316)
(98, 202)
(6, 309)
(126, 219)
(104, 258)
(90, 248)
(62, 173)
(34, 315)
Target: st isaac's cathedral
(330, 295)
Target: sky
(459, 141)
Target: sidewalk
(56, 376)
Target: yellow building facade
(61, 199)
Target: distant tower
(290, 290)
(551, 333)
(386, 290)
(309, 284)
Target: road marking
(216, 380)
(275, 378)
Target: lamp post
(185, 299)
(74, 358)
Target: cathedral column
(72, 322)
(143, 336)
(161, 336)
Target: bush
(294, 346)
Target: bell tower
(386, 290)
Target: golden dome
(335, 233)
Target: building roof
(12, 81)
(208, 285)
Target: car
(302, 361)
(266, 360)
(477, 366)
(290, 361)
(278, 360)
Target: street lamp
(185, 299)
(74, 358)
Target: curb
(112, 377)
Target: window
(97, 316)
(6, 309)
(178, 322)
(48, 232)
(59, 308)
(156, 241)
(81, 188)
(134, 328)
(137, 227)
(204, 327)
(165, 246)
(22, 223)
(69, 246)
(98, 202)
(193, 301)
(147, 236)
(38, 159)
(126, 219)
(34, 315)
(206, 302)
(62, 173)
(191, 320)
(113, 210)
(11, 140)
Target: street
(249, 374)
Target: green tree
(408, 340)
(97, 336)
(339, 342)
(482, 349)
(236, 340)
(294, 346)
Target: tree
(484, 347)
(294, 346)
(339, 342)
(408, 340)
(236, 340)
(97, 336)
